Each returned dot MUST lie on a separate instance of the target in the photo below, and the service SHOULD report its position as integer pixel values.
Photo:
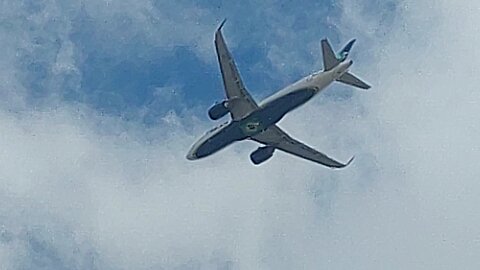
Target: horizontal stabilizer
(329, 58)
(350, 79)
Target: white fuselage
(270, 111)
(317, 81)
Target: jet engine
(262, 154)
(218, 111)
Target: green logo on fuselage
(251, 126)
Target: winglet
(344, 165)
(221, 24)
(218, 33)
(350, 161)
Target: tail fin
(343, 54)
(350, 79)
(329, 59)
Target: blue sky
(102, 99)
(118, 67)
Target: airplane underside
(257, 122)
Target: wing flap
(277, 138)
(232, 81)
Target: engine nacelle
(218, 110)
(262, 154)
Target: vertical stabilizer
(343, 54)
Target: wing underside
(241, 103)
(274, 136)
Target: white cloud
(423, 109)
(41, 53)
(81, 190)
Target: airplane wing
(240, 100)
(277, 138)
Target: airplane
(258, 121)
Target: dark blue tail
(343, 54)
(331, 59)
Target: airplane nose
(191, 156)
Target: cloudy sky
(101, 100)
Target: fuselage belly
(270, 111)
